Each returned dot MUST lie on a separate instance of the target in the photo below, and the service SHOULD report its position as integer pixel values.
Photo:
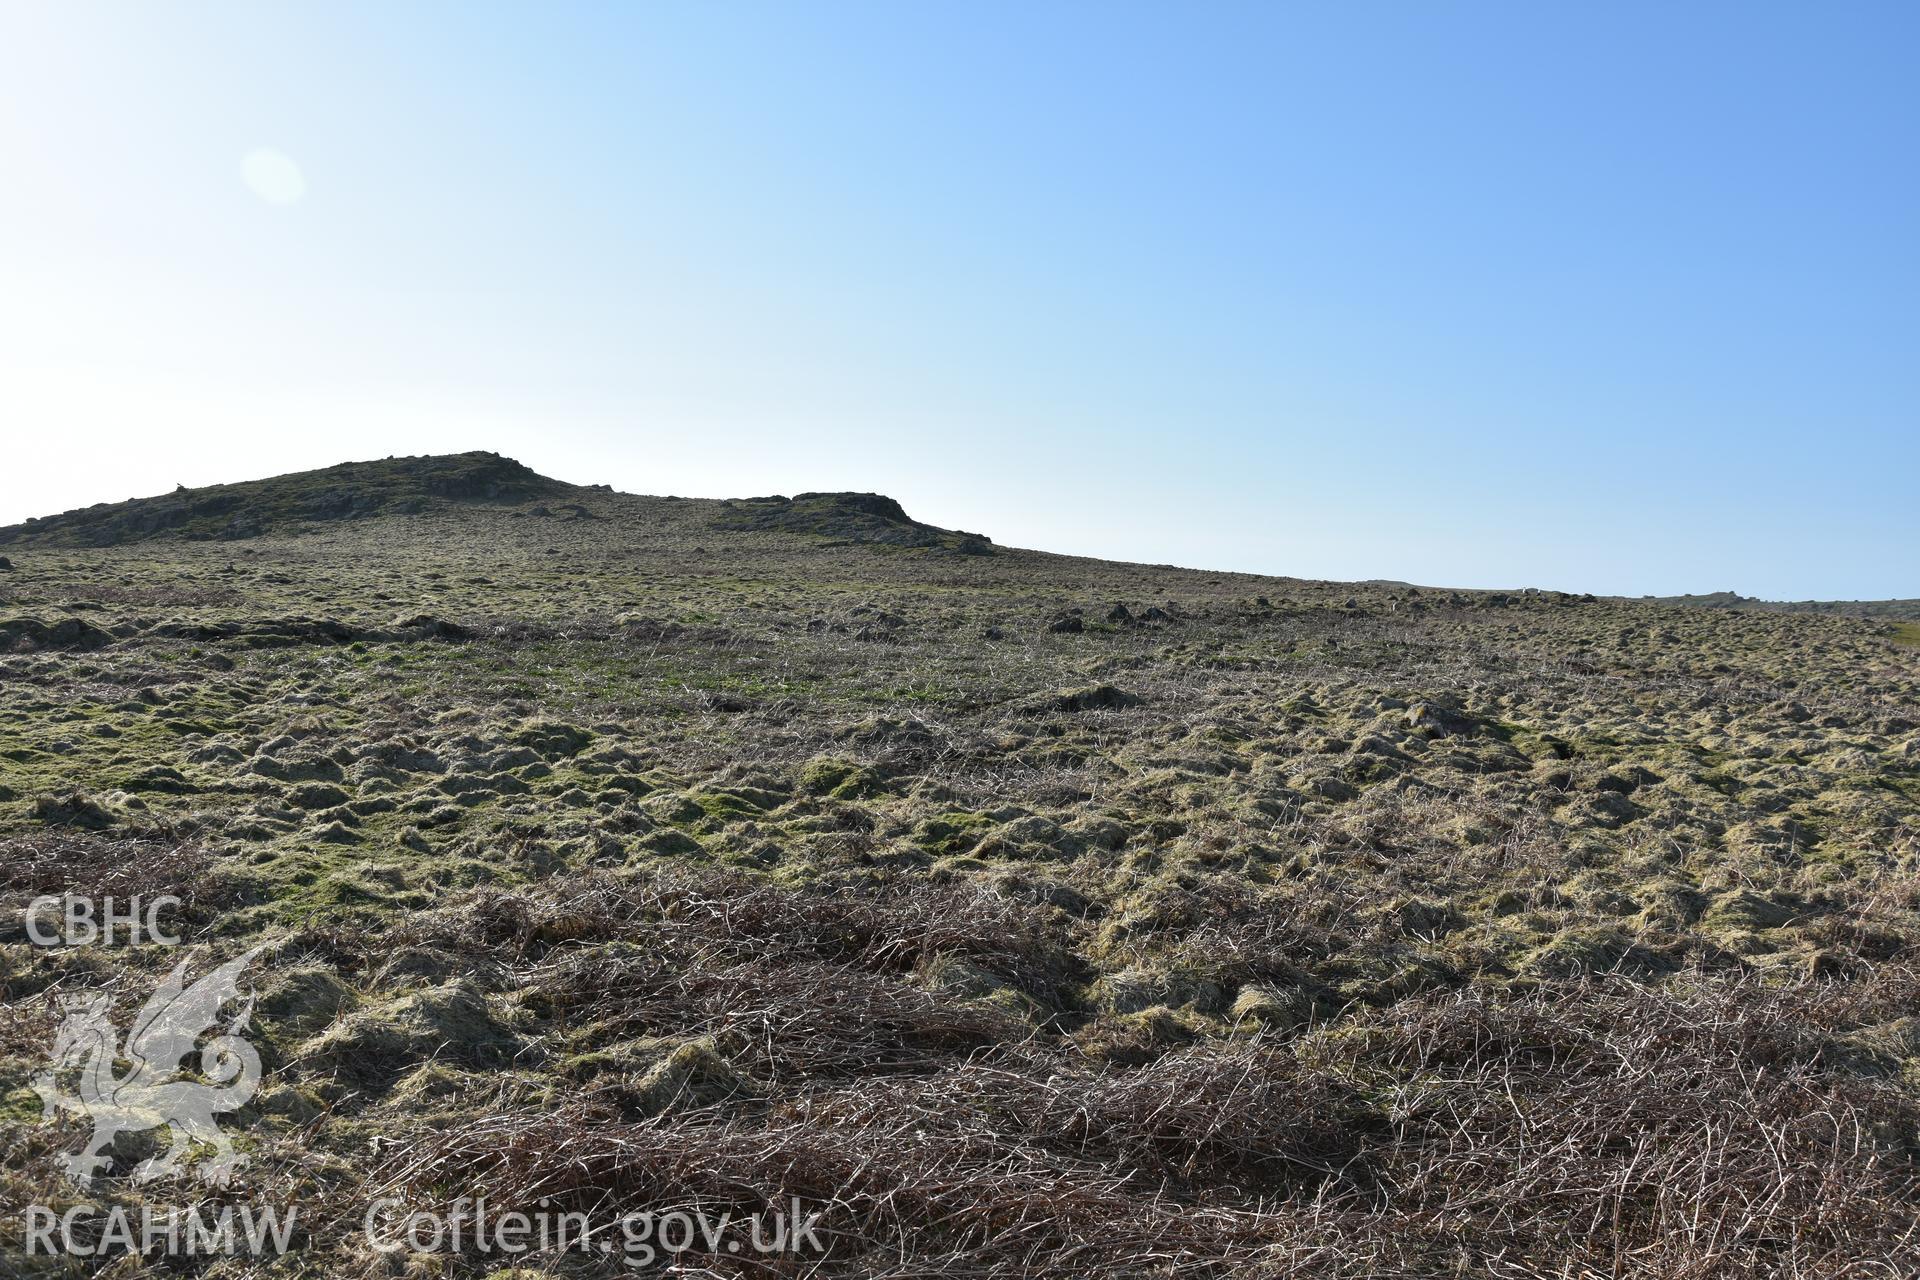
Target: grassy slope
(1908, 609)
(1406, 933)
(289, 503)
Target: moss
(20, 1106)
(838, 778)
(725, 806)
(952, 832)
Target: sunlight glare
(273, 177)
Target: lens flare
(273, 177)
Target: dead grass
(1239, 932)
(1603, 1130)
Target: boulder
(1439, 721)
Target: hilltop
(289, 503)
(850, 517)
(302, 502)
(1040, 914)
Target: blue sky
(1617, 297)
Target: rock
(6, 565)
(1121, 616)
(1067, 624)
(1438, 721)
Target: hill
(1033, 914)
(301, 502)
(349, 491)
(1899, 610)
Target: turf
(1042, 915)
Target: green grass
(797, 808)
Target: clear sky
(1611, 296)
